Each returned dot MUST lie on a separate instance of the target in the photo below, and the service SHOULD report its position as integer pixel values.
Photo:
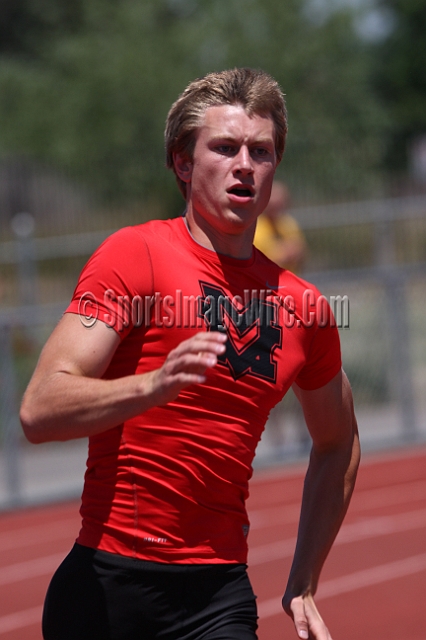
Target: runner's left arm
(329, 483)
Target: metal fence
(369, 255)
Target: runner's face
(232, 170)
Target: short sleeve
(324, 359)
(115, 282)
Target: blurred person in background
(278, 235)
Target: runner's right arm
(67, 397)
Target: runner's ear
(183, 167)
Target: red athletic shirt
(170, 485)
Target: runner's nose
(244, 161)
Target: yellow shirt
(274, 239)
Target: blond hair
(255, 90)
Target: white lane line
(272, 551)
(37, 534)
(373, 575)
(30, 568)
(20, 619)
(382, 525)
(363, 530)
(389, 496)
(270, 516)
(353, 581)
(362, 500)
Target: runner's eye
(225, 149)
(262, 152)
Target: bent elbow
(31, 424)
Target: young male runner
(179, 339)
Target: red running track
(372, 586)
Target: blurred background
(84, 92)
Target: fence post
(9, 418)
(23, 227)
(396, 318)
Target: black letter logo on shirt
(251, 326)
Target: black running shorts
(95, 595)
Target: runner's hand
(186, 364)
(306, 618)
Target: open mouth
(242, 192)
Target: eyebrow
(230, 138)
